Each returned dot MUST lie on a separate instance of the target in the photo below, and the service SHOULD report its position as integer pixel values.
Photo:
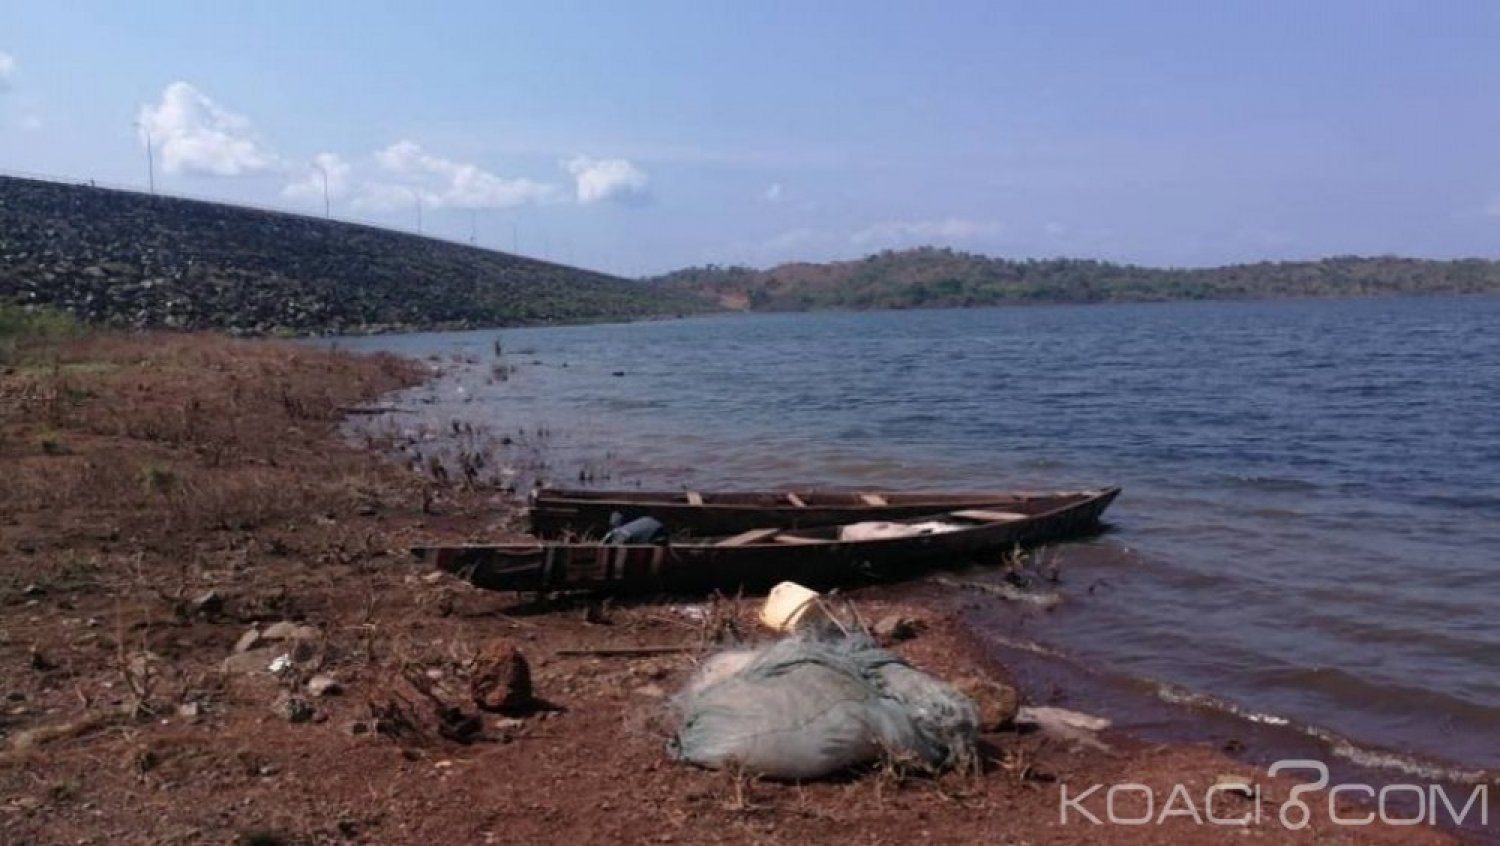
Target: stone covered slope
(131, 259)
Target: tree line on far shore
(932, 277)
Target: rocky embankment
(134, 260)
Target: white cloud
(7, 69)
(310, 186)
(607, 179)
(31, 123)
(444, 182)
(773, 194)
(1493, 209)
(949, 230)
(194, 134)
(384, 197)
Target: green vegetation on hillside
(20, 327)
(934, 277)
(134, 260)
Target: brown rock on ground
(502, 679)
(998, 702)
(895, 627)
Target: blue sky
(639, 137)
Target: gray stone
(290, 631)
(248, 641)
(208, 603)
(321, 685)
(250, 661)
(292, 708)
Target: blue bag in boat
(639, 530)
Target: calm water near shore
(1310, 528)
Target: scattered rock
(40, 735)
(252, 661)
(457, 725)
(249, 640)
(357, 727)
(190, 710)
(33, 589)
(894, 628)
(290, 631)
(502, 678)
(652, 690)
(1046, 716)
(292, 708)
(1236, 784)
(303, 651)
(998, 703)
(321, 685)
(1067, 725)
(209, 604)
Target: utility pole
(150, 157)
(417, 195)
(473, 226)
(327, 205)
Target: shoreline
(192, 489)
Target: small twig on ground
(626, 651)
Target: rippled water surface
(1311, 518)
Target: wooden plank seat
(744, 538)
(987, 516)
(796, 540)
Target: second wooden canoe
(557, 512)
(757, 558)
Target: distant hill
(934, 277)
(131, 259)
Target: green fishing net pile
(808, 706)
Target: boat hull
(570, 513)
(707, 566)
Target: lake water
(1310, 526)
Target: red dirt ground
(141, 473)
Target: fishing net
(806, 707)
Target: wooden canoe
(758, 558)
(557, 513)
